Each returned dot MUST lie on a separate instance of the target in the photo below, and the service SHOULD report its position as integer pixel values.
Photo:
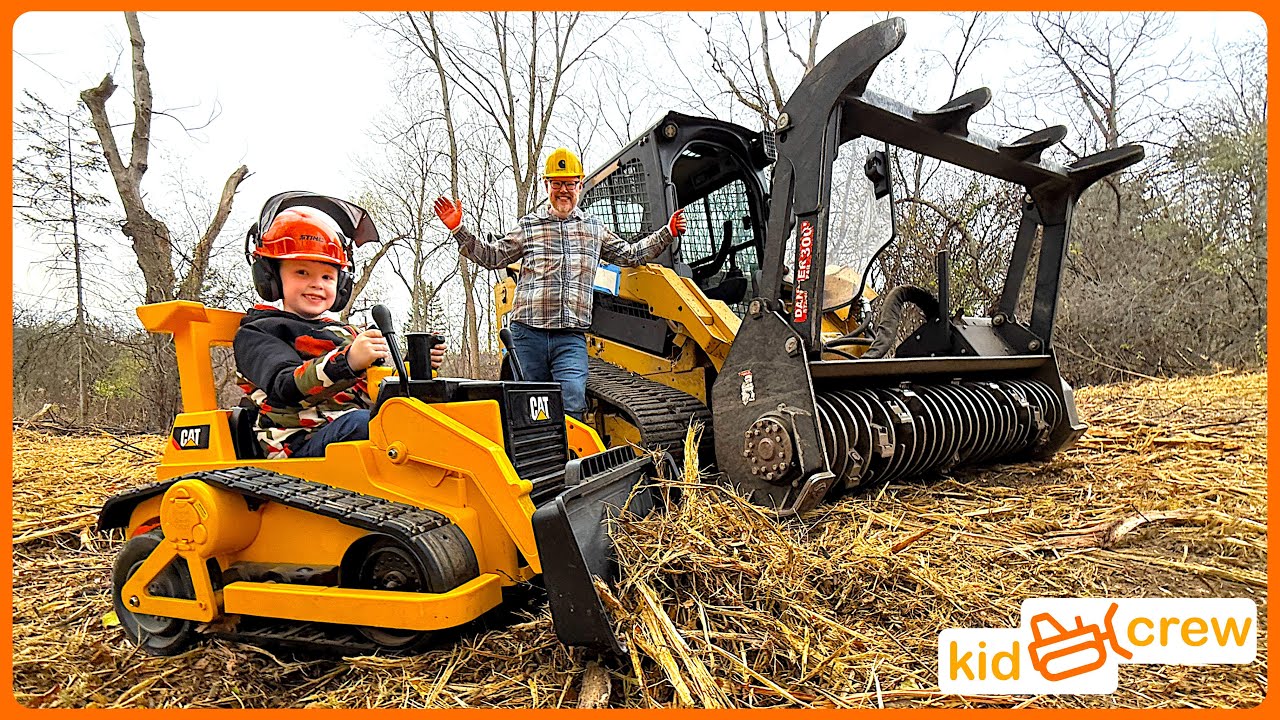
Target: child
(306, 372)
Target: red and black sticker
(804, 271)
(804, 252)
(191, 437)
(801, 312)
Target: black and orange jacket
(295, 370)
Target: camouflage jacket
(295, 370)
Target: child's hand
(368, 347)
(437, 356)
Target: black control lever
(505, 336)
(382, 318)
(420, 344)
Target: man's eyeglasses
(562, 184)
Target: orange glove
(676, 223)
(449, 212)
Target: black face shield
(353, 220)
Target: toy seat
(243, 439)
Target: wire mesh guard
(622, 201)
(704, 240)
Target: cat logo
(539, 408)
(191, 437)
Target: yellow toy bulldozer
(464, 490)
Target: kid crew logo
(1076, 645)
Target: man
(559, 247)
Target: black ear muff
(346, 278)
(266, 278)
(266, 272)
(346, 285)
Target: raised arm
(629, 254)
(492, 251)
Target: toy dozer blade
(573, 541)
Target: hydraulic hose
(890, 319)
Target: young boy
(306, 372)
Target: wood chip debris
(721, 606)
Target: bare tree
(1109, 73)
(501, 78)
(1166, 273)
(743, 56)
(54, 186)
(153, 246)
(434, 48)
(405, 182)
(515, 69)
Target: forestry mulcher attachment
(752, 319)
(464, 491)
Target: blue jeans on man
(554, 355)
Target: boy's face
(308, 288)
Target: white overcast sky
(294, 93)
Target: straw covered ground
(1165, 496)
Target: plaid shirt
(558, 260)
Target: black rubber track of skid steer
(661, 413)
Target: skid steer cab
(464, 490)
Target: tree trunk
(472, 329)
(82, 393)
(152, 243)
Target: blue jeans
(554, 355)
(352, 425)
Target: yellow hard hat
(562, 163)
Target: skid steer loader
(464, 490)
(747, 320)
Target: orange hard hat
(303, 233)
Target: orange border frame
(1267, 12)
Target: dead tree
(501, 77)
(404, 182)
(152, 244)
(753, 77)
(1106, 71)
(53, 189)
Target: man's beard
(564, 205)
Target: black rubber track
(441, 547)
(661, 413)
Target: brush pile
(720, 605)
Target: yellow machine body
(703, 331)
